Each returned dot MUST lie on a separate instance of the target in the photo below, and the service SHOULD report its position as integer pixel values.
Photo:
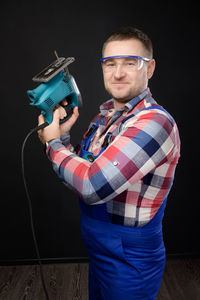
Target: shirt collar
(109, 105)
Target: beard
(122, 97)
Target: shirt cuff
(52, 146)
(65, 138)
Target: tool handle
(69, 110)
(49, 115)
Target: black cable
(30, 206)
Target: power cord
(30, 206)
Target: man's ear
(151, 68)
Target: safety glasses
(128, 62)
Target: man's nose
(119, 71)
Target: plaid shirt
(134, 174)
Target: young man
(123, 173)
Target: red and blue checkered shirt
(134, 174)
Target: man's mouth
(119, 84)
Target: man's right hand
(55, 129)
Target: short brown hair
(127, 33)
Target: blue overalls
(125, 262)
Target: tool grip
(69, 110)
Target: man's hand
(55, 130)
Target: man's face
(123, 82)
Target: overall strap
(148, 108)
(86, 142)
(164, 110)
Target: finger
(63, 112)
(41, 119)
(64, 102)
(75, 113)
(56, 115)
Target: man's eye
(131, 63)
(110, 64)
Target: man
(123, 173)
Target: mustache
(115, 82)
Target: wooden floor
(181, 281)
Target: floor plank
(181, 281)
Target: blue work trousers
(125, 262)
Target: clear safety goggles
(129, 62)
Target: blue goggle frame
(119, 56)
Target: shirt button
(115, 163)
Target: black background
(30, 32)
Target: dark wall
(30, 32)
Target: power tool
(56, 85)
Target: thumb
(56, 116)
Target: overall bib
(125, 262)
